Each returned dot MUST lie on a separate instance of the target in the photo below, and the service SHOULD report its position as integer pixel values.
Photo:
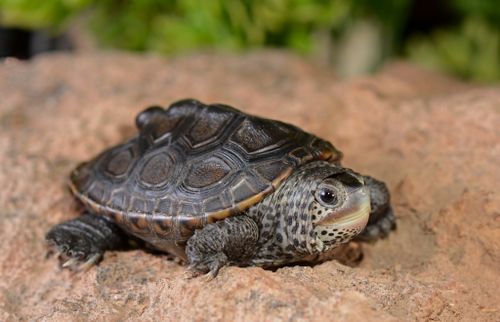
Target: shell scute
(163, 206)
(207, 172)
(119, 199)
(157, 170)
(270, 170)
(245, 189)
(118, 163)
(141, 205)
(256, 135)
(208, 127)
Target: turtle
(215, 186)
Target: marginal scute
(139, 221)
(301, 154)
(81, 177)
(98, 192)
(162, 226)
(140, 205)
(212, 204)
(188, 209)
(157, 170)
(324, 150)
(119, 199)
(207, 172)
(163, 206)
(260, 134)
(244, 190)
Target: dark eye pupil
(327, 196)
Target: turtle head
(319, 207)
(340, 208)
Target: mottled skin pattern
(216, 186)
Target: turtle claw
(77, 263)
(208, 269)
(90, 262)
(208, 276)
(70, 262)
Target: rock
(435, 141)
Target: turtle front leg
(229, 241)
(382, 219)
(81, 242)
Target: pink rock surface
(436, 142)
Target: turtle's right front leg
(229, 241)
(82, 241)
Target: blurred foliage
(487, 9)
(179, 25)
(471, 51)
(32, 14)
(469, 48)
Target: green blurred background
(460, 37)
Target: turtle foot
(72, 247)
(80, 243)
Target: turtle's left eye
(327, 196)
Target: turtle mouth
(353, 215)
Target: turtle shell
(193, 164)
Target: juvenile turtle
(216, 186)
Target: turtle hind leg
(81, 242)
(382, 219)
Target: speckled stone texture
(435, 141)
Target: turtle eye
(327, 196)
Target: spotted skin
(331, 235)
